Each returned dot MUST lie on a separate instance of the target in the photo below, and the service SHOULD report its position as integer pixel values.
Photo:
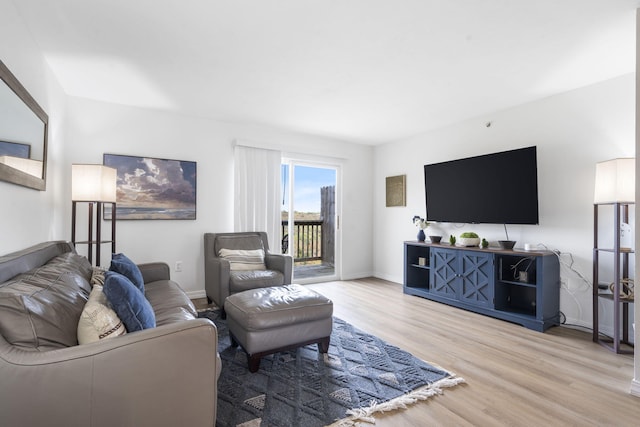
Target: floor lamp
(615, 186)
(95, 185)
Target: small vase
(421, 235)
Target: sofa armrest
(160, 376)
(282, 263)
(154, 271)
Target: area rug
(360, 376)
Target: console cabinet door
(444, 270)
(476, 278)
(466, 276)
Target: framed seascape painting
(150, 188)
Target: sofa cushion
(98, 321)
(40, 309)
(242, 259)
(123, 265)
(170, 303)
(243, 280)
(128, 302)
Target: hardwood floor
(514, 376)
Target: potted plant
(469, 238)
(421, 223)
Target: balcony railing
(307, 235)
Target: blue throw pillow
(128, 302)
(123, 265)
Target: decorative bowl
(435, 239)
(507, 244)
(468, 241)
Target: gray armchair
(221, 280)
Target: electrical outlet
(178, 266)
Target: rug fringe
(401, 402)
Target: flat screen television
(497, 188)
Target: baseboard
(388, 277)
(579, 322)
(355, 276)
(635, 388)
(196, 294)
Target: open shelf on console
(515, 298)
(517, 270)
(418, 269)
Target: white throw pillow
(97, 277)
(244, 259)
(98, 321)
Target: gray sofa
(164, 376)
(220, 280)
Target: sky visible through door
(306, 191)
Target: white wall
(572, 131)
(94, 128)
(29, 216)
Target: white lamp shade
(93, 183)
(615, 181)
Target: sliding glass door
(310, 220)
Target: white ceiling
(367, 71)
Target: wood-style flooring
(514, 376)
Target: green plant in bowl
(469, 235)
(469, 238)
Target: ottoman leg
(254, 362)
(323, 345)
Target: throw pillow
(244, 259)
(123, 265)
(97, 277)
(128, 302)
(98, 321)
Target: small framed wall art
(396, 190)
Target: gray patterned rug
(361, 375)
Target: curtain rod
(286, 151)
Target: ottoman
(268, 320)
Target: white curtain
(257, 192)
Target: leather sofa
(162, 376)
(221, 280)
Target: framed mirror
(23, 134)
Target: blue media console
(518, 286)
